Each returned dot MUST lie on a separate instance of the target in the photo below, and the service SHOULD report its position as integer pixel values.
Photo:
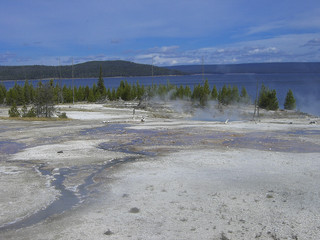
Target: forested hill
(293, 67)
(83, 70)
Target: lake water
(305, 87)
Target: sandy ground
(173, 178)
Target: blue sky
(171, 32)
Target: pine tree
(223, 94)
(86, 93)
(214, 93)
(234, 95)
(13, 111)
(290, 102)
(3, 93)
(206, 88)
(101, 88)
(244, 97)
(187, 92)
(268, 99)
(91, 96)
(27, 92)
(24, 111)
(44, 101)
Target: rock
(134, 210)
(108, 232)
(269, 195)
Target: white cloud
(313, 43)
(6, 57)
(284, 48)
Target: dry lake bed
(160, 173)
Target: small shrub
(13, 111)
(24, 111)
(31, 113)
(63, 115)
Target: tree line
(83, 70)
(44, 96)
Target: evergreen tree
(113, 94)
(91, 97)
(133, 91)
(44, 102)
(223, 95)
(234, 95)
(126, 92)
(97, 96)
(19, 94)
(24, 111)
(27, 92)
(109, 94)
(94, 88)
(206, 88)
(140, 91)
(56, 91)
(67, 94)
(11, 96)
(214, 93)
(13, 111)
(120, 90)
(31, 112)
(86, 93)
(244, 97)
(290, 101)
(80, 94)
(75, 92)
(101, 88)
(187, 92)
(268, 99)
(196, 92)
(179, 92)
(3, 93)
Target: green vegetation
(13, 111)
(39, 101)
(43, 97)
(290, 101)
(268, 99)
(83, 70)
(63, 115)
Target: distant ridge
(287, 67)
(83, 70)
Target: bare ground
(169, 177)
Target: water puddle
(8, 147)
(303, 132)
(67, 199)
(261, 141)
